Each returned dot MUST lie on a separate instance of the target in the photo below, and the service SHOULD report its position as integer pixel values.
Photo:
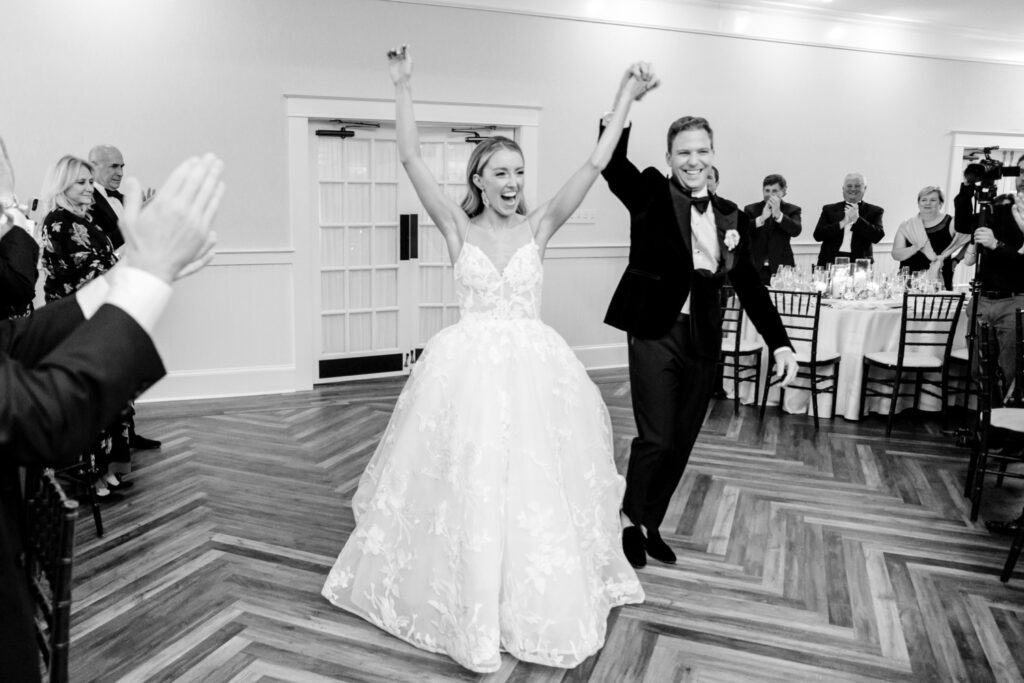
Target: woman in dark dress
(76, 250)
(927, 241)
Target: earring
(484, 199)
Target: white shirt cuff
(782, 348)
(92, 295)
(139, 294)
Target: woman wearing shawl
(927, 241)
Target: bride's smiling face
(501, 181)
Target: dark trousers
(671, 387)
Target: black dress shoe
(633, 546)
(142, 443)
(658, 549)
(1003, 526)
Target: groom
(684, 243)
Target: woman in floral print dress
(75, 251)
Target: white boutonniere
(732, 238)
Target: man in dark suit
(850, 227)
(684, 244)
(775, 223)
(69, 368)
(107, 206)
(106, 211)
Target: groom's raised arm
(624, 179)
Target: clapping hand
(171, 237)
(400, 64)
(852, 214)
(774, 206)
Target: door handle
(403, 237)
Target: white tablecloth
(852, 329)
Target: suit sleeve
(963, 205)
(624, 179)
(869, 225)
(52, 409)
(754, 297)
(19, 254)
(791, 222)
(827, 227)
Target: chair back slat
(929, 321)
(50, 524)
(800, 313)
(732, 317)
(988, 368)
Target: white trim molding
(816, 25)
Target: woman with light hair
(75, 251)
(928, 241)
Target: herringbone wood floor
(836, 556)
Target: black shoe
(1003, 526)
(658, 549)
(633, 546)
(142, 443)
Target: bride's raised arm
(446, 214)
(547, 219)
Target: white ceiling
(971, 30)
(998, 17)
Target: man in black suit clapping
(775, 223)
(850, 227)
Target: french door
(385, 282)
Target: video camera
(985, 173)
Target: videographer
(997, 224)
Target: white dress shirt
(704, 240)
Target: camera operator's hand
(986, 238)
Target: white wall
(186, 76)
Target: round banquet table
(851, 328)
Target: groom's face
(690, 158)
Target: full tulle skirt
(487, 519)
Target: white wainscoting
(230, 329)
(578, 283)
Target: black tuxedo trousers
(671, 384)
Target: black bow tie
(700, 203)
(116, 195)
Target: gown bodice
(484, 293)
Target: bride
(487, 519)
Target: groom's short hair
(689, 123)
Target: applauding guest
(849, 228)
(928, 241)
(775, 223)
(69, 369)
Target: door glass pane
(329, 158)
(359, 246)
(385, 287)
(431, 284)
(385, 245)
(332, 203)
(458, 159)
(359, 289)
(387, 330)
(360, 332)
(433, 155)
(332, 290)
(332, 247)
(357, 159)
(385, 160)
(332, 333)
(385, 203)
(358, 209)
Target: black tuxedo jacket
(19, 257)
(660, 274)
(104, 217)
(62, 379)
(770, 242)
(867, 230)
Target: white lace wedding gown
(488, 519)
